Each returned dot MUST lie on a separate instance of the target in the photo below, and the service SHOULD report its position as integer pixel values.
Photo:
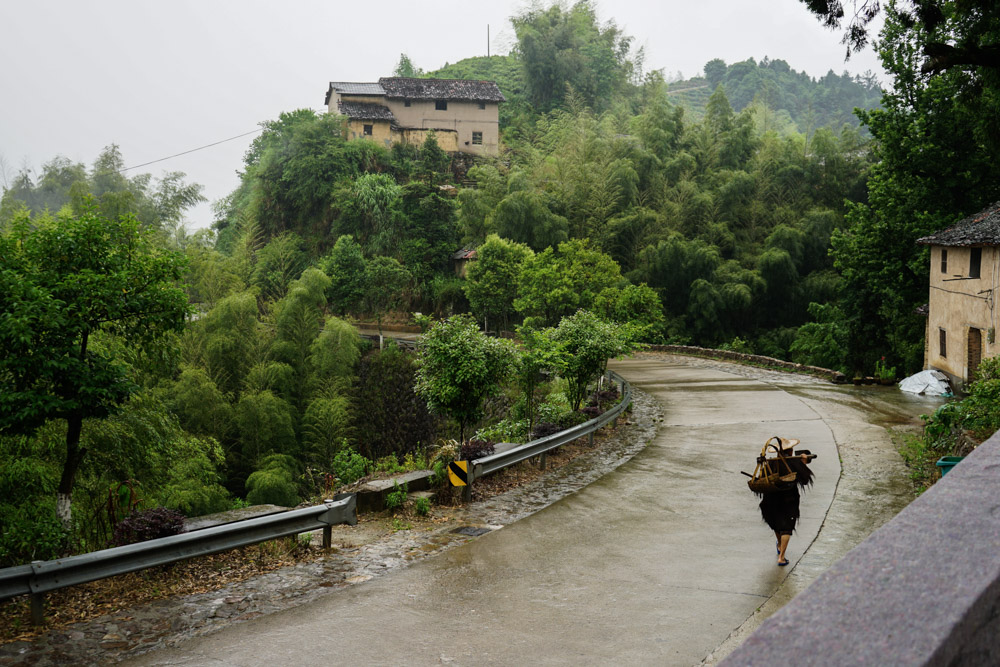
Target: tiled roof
(980, 229)
(465, 253)
(365, 111)
(349, 88)
(441, 89)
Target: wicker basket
(771, 474)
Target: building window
(440, 105)
(482, 105)
(477, 138)
(406, 103)
(944, 260)
(975, 262)
(368, 130)
(943, 343)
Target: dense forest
(146, 366)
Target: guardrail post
(37, 608)
(542, 460)
(328, 531)
(37, 604)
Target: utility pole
(487, 40)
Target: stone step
(371, 496)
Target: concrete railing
(770, 362)
(924, 589)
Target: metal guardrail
(494, 462)
(41, 577)
(405, 343)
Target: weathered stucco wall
(381, 131)
(447, 139)
(959, 303)
(461, 117)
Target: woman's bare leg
(782, 545)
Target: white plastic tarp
(931, 383)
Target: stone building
(961, 317)
(463, 114)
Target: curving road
(663, 561)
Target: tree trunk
(64, 493)
(74, 455)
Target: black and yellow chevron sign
(458, 473)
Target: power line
(193, 150)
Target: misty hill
(807, 102)
(798, 101)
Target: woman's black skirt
(780, 510)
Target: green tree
(345, 265)
(524, 217)
(277, 264)
(432, 158)
(390, 417)
(266, 426)
(273, 483)
(556, 283)
(493, 280)
(385, 280)
(926, 176)
(635, 306)
(588, 343)
(539, 357)
(560, 48)
(65, 284)
(459, 368)
(406, 68)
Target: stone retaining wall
(771, 362)
(924, 589)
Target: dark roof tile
(980, 229)
(366, 111)
(441, 89)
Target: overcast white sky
(158, 78)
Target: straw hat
(786, 444)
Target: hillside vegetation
(753, 215)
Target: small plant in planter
(884, 374)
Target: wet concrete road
(658, 562)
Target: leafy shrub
(274, 482)
(388, 465)
(545, 429)
(606, 396)
(507, 430)
(349, 466)
(396, 498)
(591, 411)
(571, 419)
(29, 532)
(440, 461)
(193, 488)
(422, 506)
(475, 449)
(416, 460)
(148, 525)
(737, 345)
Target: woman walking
(780, 507)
